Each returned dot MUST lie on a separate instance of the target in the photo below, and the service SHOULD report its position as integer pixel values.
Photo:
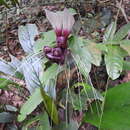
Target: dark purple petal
(47, 49)
(58, 60)
(52, 57)
(57, 51)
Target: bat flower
(62, 22)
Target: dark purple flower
(62, 23)
(56, 54)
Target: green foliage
(50, 73)
(8, 68)
(47, 39)
(34, 100)
(26, 35)
(84, 53)
(32, 71)
(115, 49)
(31, 68)
(114, 61)
(110, 31)
(41, 80)
(50, 107)
(49, 79)
(4, 83)
(115, 113)
(31, 65)
(122, 32)
(125, 44)
(81, 56)
(87, 93)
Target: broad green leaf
(125, 44)
(7, 68)
(47, 39)
(13, 68)
(81, 56)
(40, 43)
(34, 100)
(94, 52)
(50, 73)
(50, 88)
(114, 61)
(102, 47)
(49, 79)
(122, 32)
(85, 53)
(73, 125)
(32, 71)
(50, 106)
(26, 36)
(112, 42)
(109, 33)
(83, 66)
(16, 64)
(6, 117)
(116, 111)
